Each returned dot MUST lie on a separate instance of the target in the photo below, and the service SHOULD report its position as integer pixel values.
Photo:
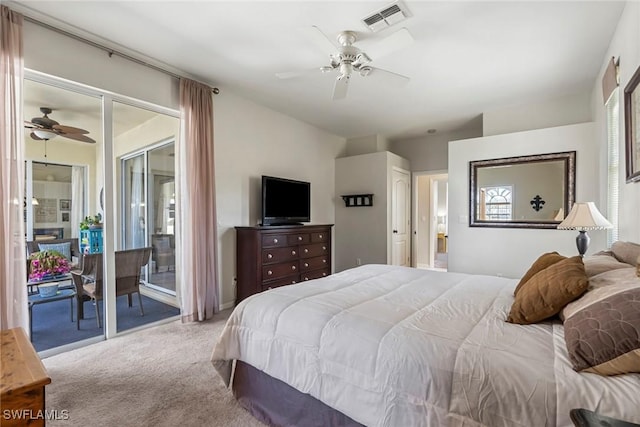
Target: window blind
(613, 158)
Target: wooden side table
(22, 381)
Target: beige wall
(364, 232)
(251, 141)
(430, 152)
(625, 45)
(507, 251)
(560, 111)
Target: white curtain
(196, 204)
(13, 272)
(137, 200)
(77, 199)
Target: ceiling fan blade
(390, 44)
(317, 37)
(389, 77)
(78, 137)
(30, 125)
(297, 73)
(69, 129)
(340, 88)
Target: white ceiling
(467, 58)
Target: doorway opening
(430, 234)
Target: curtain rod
(109, 51)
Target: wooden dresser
(268, 257)
(22, 381)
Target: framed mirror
(522, 192)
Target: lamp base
(582, 242)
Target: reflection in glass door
(162, 193)
(134, 220)
(150, 176)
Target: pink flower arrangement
(47, 263)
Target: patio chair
(89, 282)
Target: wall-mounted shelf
(355, 200)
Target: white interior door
(401, 219)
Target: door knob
(395, 231)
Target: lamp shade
(584, 216)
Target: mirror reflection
(527, 191)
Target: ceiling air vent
(386, 17)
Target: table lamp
(582, 217)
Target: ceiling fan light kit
(347, 58)
(44, 134)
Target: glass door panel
(144, 147)
(63, 173)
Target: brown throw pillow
(548, 291)
(544, 261)
(604, 337)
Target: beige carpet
(160, 376)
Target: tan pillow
(544, 261)
(626, 252)
(602, 329)
(548, 291)
(597, 264)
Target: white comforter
(396, 346)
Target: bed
(383, 345)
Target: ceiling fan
(44, 129)
(348, 59)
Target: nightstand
(586, 418)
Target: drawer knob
(269, 288)
(324, 261)
(269, 256)
(320, 236)
(293, 252)
(293, 282)
(293, 267)
(324, 274)
(306, 264)
(269, 273)
(299, 238)
(306, 251)
(324, 248)
(275, 240)
(306, 278)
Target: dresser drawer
(315, 274)
(314, 263)
(319, 237)
(313, 250)
(276, 255)
(274, 240)
(277, 271)
(291, 280)
(298, 239)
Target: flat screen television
(285, 201)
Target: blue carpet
(52, 326)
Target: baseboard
(226, 305)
